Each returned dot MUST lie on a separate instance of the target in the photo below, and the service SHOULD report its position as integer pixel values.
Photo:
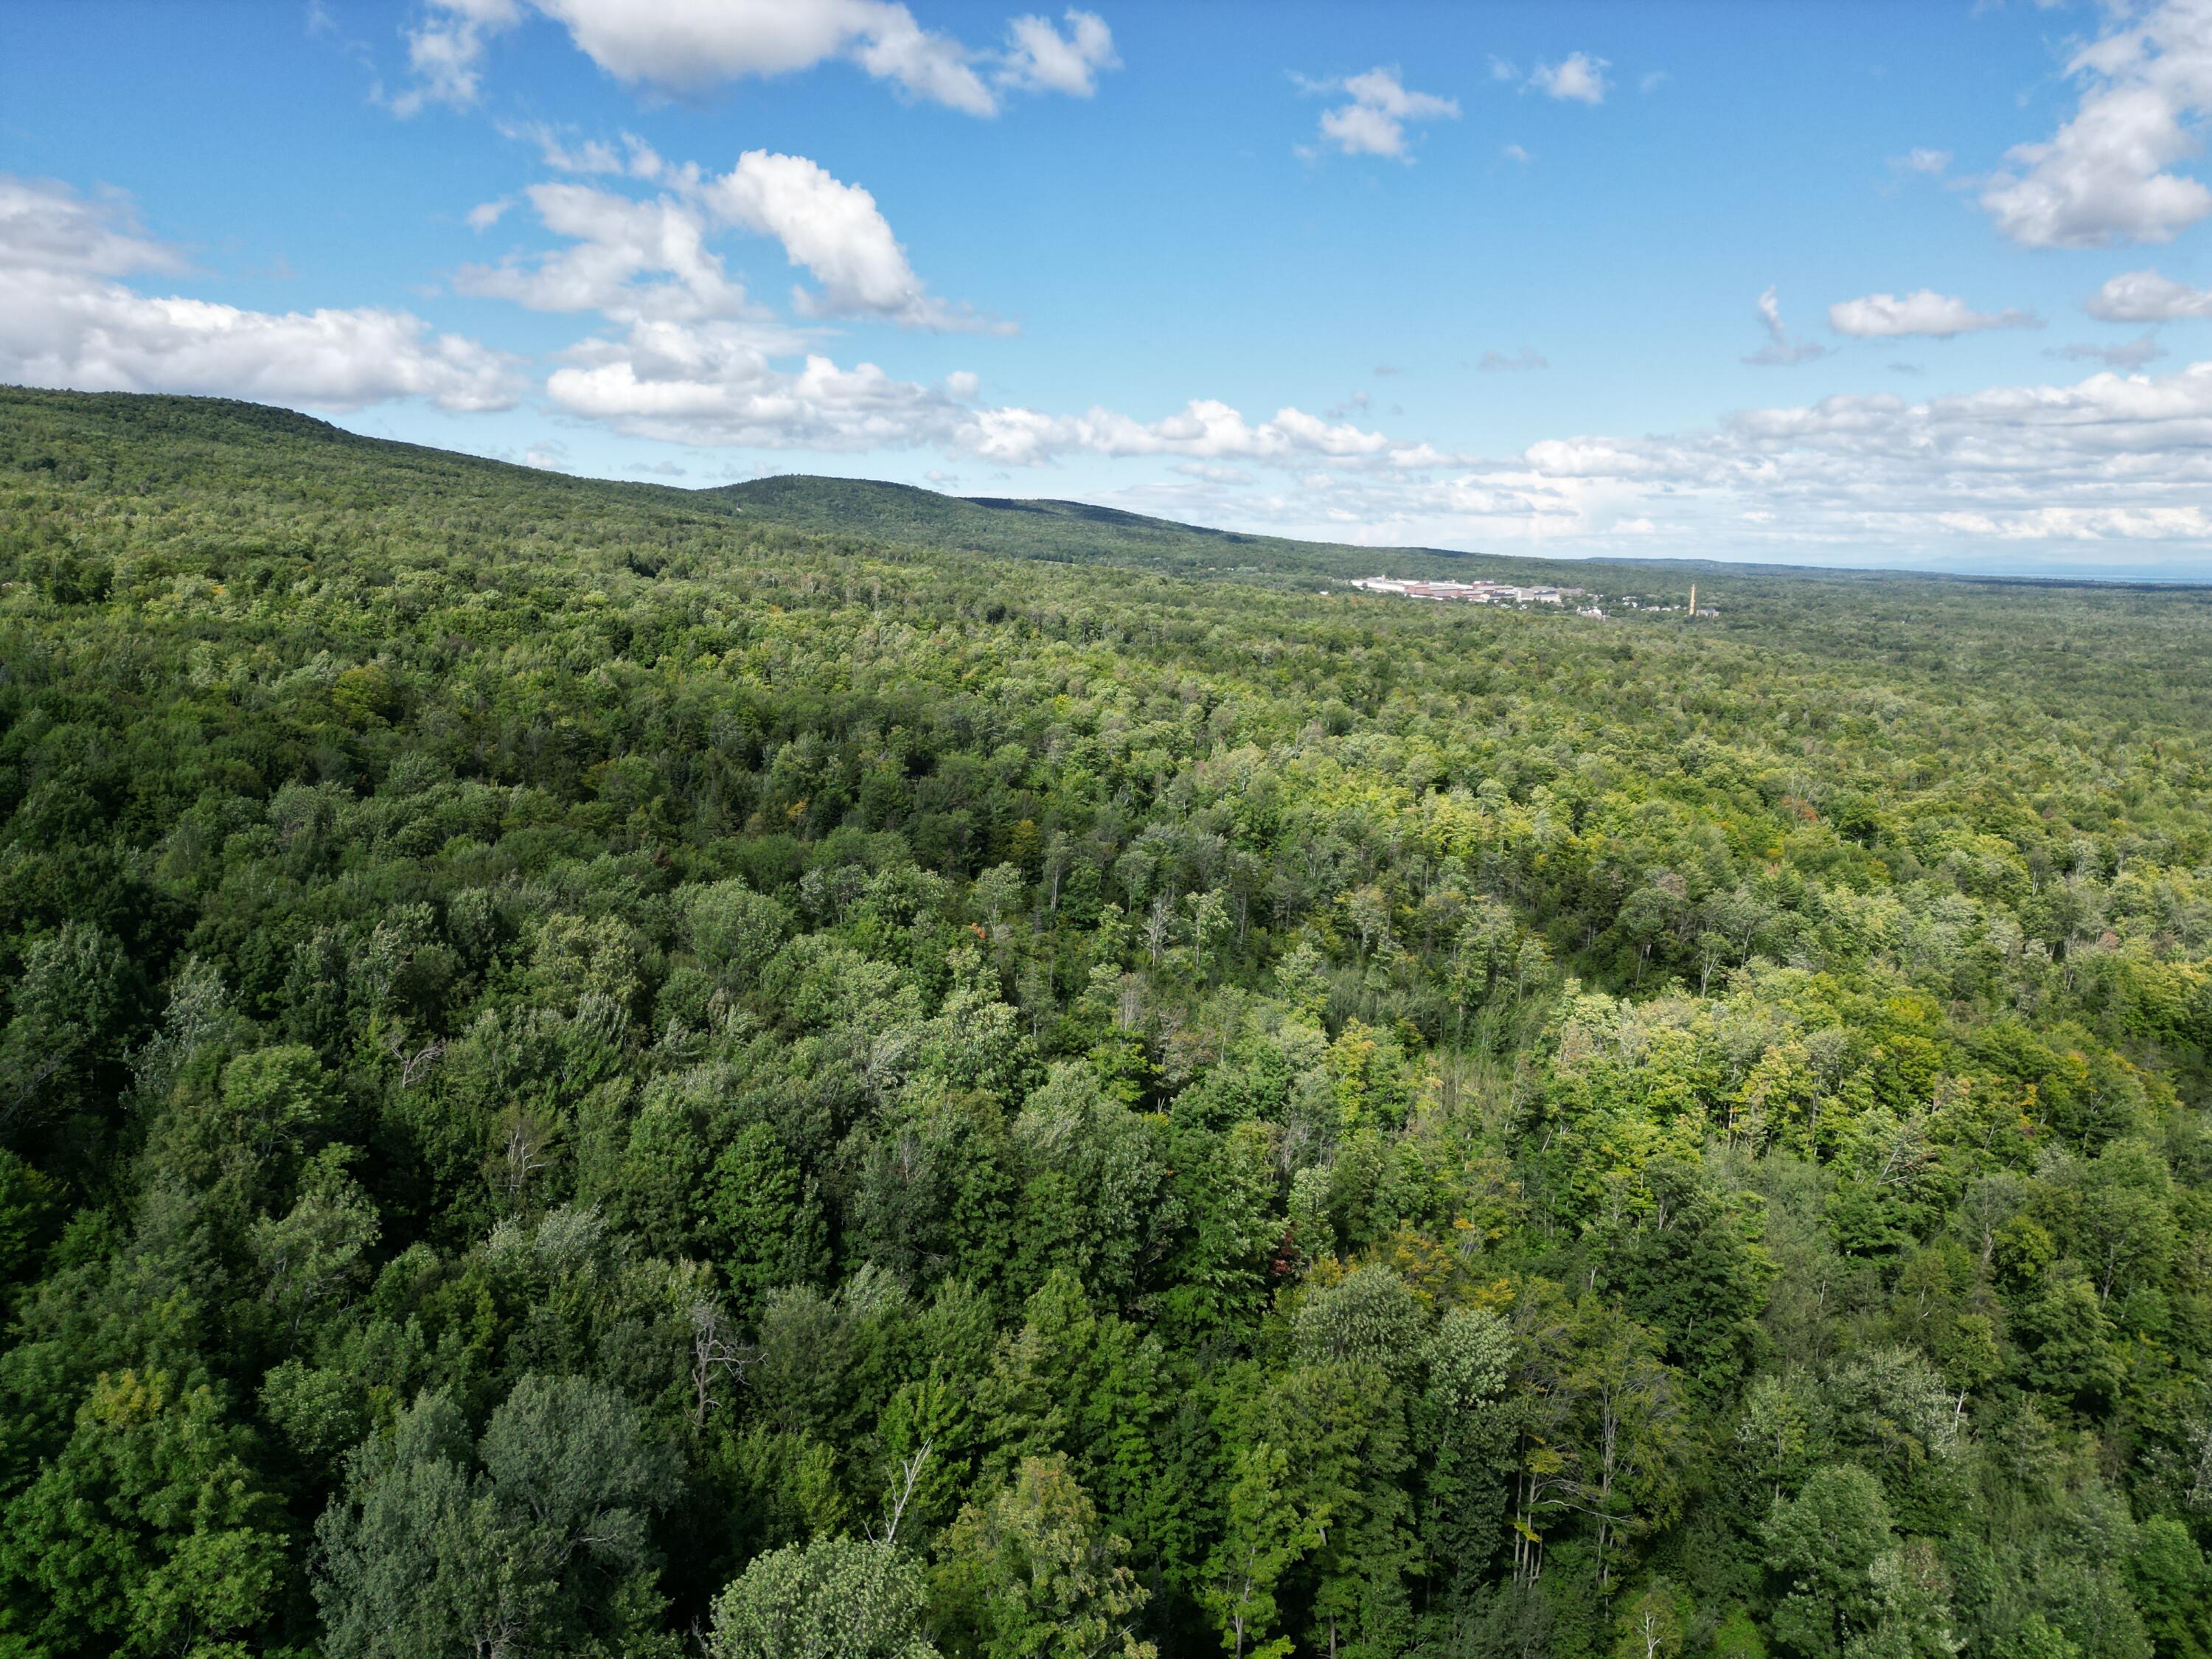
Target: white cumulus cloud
(1938, 316)
(50, 228)
(833, 231)
(685, 356)
(1577, 77)
(615, 244)
(2108, 174)
(1379, 106)
(653, 257)
(716, 384)
(2144, 296)
(65, 321)
(692, 46)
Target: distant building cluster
(1468, 593)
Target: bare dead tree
(901, 1494)
(417, 1066)
(1159, 928)
(715, 1354)
(522, 1156)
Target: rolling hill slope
(1079, 533)
(1065, 532)
(259, 477)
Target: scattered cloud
(659, 469)
(1040, 58)
(835, 233)
(2144, 296)
(1937, 316)
(1781, 350)
(635, 259)
(49, 228)
(66, 321)
(1497, 363)
(1906, 368)
(1577, 77)
(566, 154)
(1589, 457)
(651, 258)
(1205, 429)
(1652, 79)
(485, 215)
(2112, 460)
(1373, 120)
(2126, 358)
(445, 50)
(688, 47)
(1212, 472)
(686, 356)
(2106, 175)
(2107, 456)
(712, 384)
(1385, 371)
(1932, 162)
(1514, 153)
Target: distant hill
(119, 437)
(250, 450)
(1064, 531)
(1077, 532)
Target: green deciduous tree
(1030, 1572)
(1821, 1545)
(1264, 1534)
(536, 1536)
(147, 1534)
(831, 1599)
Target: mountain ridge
(1050, 529)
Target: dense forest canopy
(589, 1069)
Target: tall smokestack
(1694, 598)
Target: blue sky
(1868, 283)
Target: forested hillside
(1070, 532)
(582, 1073)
